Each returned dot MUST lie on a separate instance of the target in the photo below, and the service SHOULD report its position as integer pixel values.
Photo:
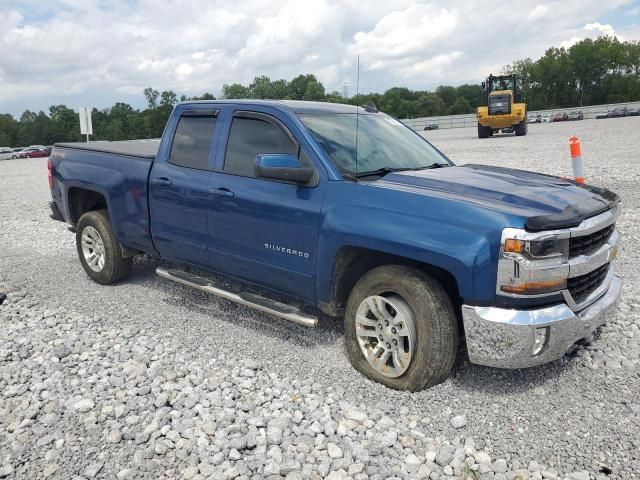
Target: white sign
(85, 121)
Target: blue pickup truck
(302, 208)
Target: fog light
(540, 341)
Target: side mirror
(281, 166)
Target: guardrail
(469, 119)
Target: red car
(37, 152)
(560, 117)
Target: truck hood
(547, 202)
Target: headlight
(532, 263)
(544, 248)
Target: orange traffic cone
(576, 159)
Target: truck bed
(132, 148)
(119, 173)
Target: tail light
(50, 173)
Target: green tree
(152, 97)
(315, 91)
(461, 105)
(447, 94)
(298, 87)
(474, 94)
(168, 98)
(235, 90)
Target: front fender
(460, 238)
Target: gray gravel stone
(6, 470)
(459, 421)
(84, 405)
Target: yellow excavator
(505, 110)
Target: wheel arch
(352, 262)
(81, 200)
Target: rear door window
(190, 147)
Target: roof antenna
(357, 108)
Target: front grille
(587, 244)
(581, 287)
(500, 104)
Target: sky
(96, 52)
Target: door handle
(162, 181)
(222, 192)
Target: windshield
(383, 142)
(505, 83)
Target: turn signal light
(533, 288)
(512, 245)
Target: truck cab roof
(295, 106)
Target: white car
(546, 119)
(18, 152)
(6, 153)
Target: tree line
(590, 72)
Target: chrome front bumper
(505, 338)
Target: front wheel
(400, 328)
(99, 250)
(484, 132)
(521, 128)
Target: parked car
(576, 115)
(37, 152)
(633, 112)
(618, 112)
(602, 115)
(6, 153)
(546, 119)
(560, 117)
(410, 250)
(19, 152)
(431, 126)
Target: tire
(522, 127)
(96, 227)
(435, 331)
(483, 132)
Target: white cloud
(407, 32)
(605, 29)
(539, 11)
(594, 30)
(433, 68)
(569, 43)
(96, 52)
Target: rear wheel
(99, 250)
(484, 132)
(400, 328)
(521, 128)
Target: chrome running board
(278, 309)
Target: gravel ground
(151, 379)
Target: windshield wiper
(381, 172)
(435, 165)
(386, 170)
